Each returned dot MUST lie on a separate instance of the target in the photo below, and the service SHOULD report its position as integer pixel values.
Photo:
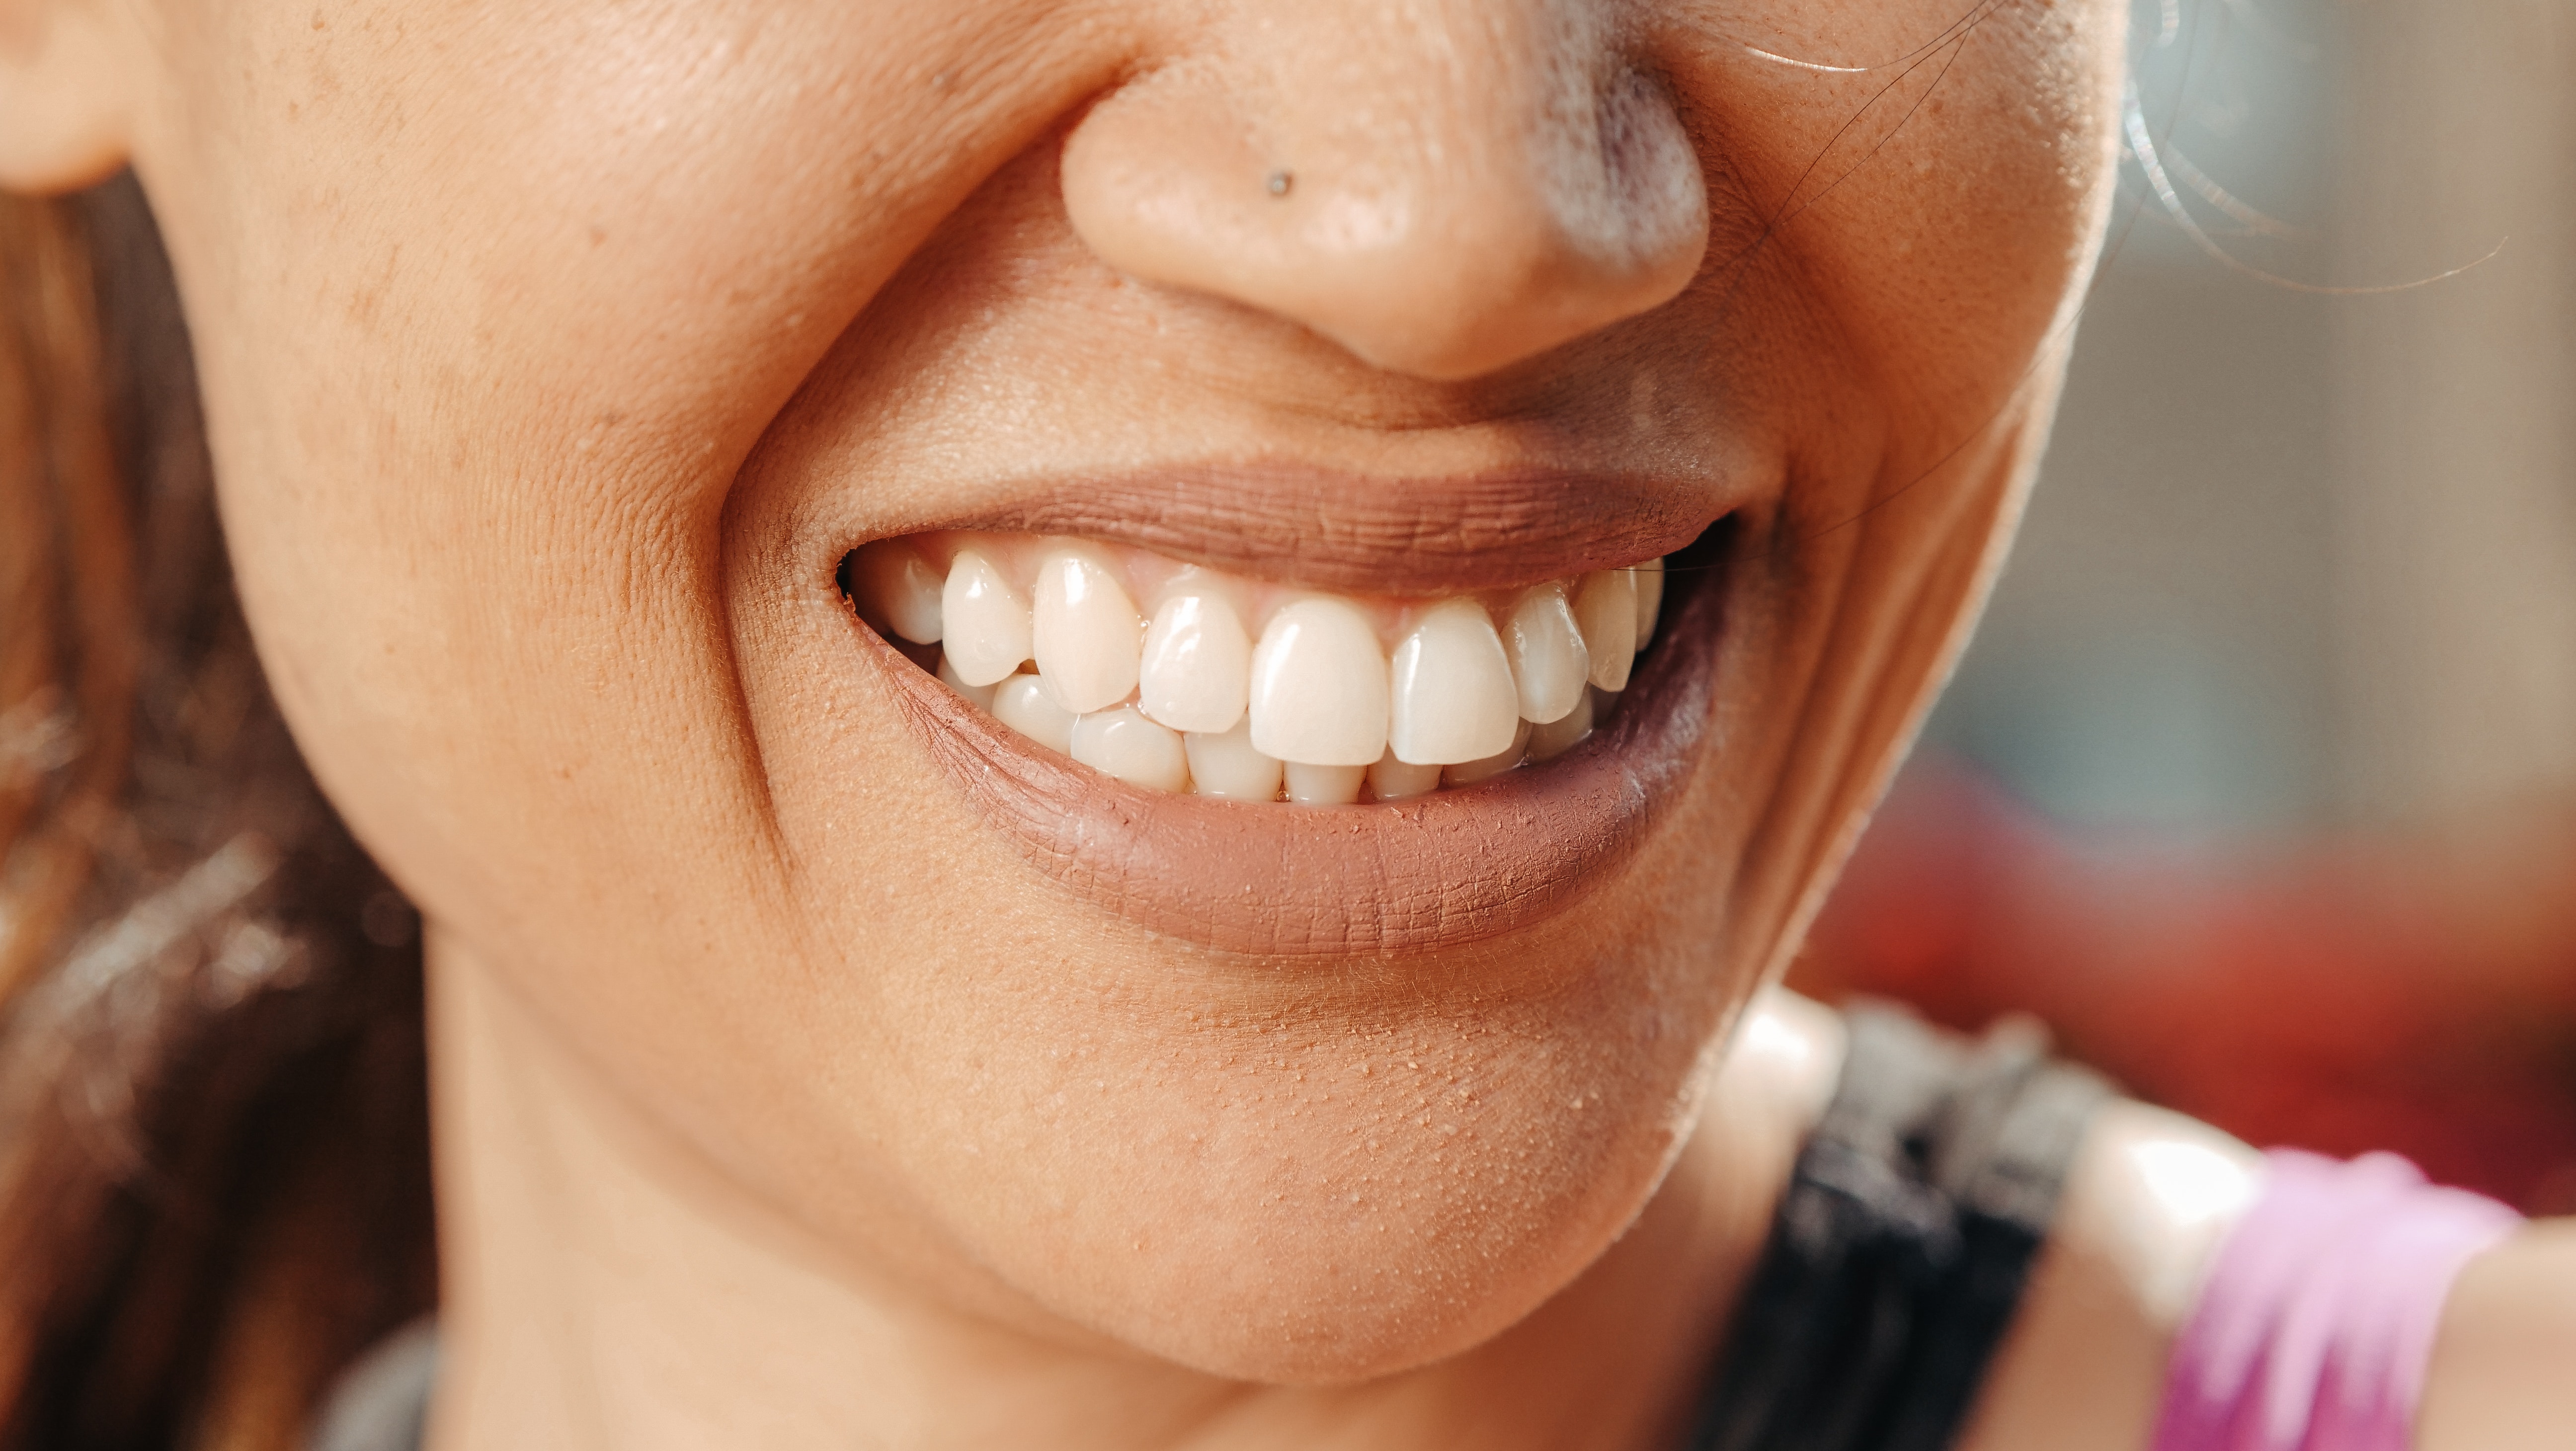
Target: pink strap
(2316, 1323)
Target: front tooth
(1085, 633)
(1225, 765)
(1494, 765)
(898, 589)
(980, 696)
(1319, 686)
(1451, 697)
(987, 620)
(1197, 671)
(1558, 736)
(1312, 785)
(1549, 662)
(1024, 704)
(1605, 605)
(1650, 599)
(1394, 780)
(1132, 748)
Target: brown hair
(214, 1178)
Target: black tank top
(1895, 1259)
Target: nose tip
(1442, 214)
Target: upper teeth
(1454, 700)
(988, 619)
(1193, 699)
(1084, 633)
(1319, 687)
(1549, 659)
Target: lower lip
(1455, 867)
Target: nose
(1442, 187)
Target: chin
(1403, 1217)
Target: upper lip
(1328, 529)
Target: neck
(605, 1288)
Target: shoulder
(1784, 1061)
(2151, 1196)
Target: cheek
(490, 306)
(1944, 208)
(475, 409)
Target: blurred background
(2259, 783)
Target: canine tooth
(1132, 748)
(1555, 738)
(1225, 764)
(1493, 765)
(987, 620)
(980, 696)
(1604, 702)
(1394, 780)
(1024, 704)
(1605, 605)
(1312, 785)
(1319, 686)
(1650, 599)
(1197, 671)
(1451, 697)
(1085, 633)
(1549, 662)
(898, 588)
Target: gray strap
(382, 1402)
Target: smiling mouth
(1184, 679)
(1224, 735)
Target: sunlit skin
(554, 356)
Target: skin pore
(556, 354)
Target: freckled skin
(554, 354)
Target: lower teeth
(1120, 741)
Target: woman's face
(558, 354)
